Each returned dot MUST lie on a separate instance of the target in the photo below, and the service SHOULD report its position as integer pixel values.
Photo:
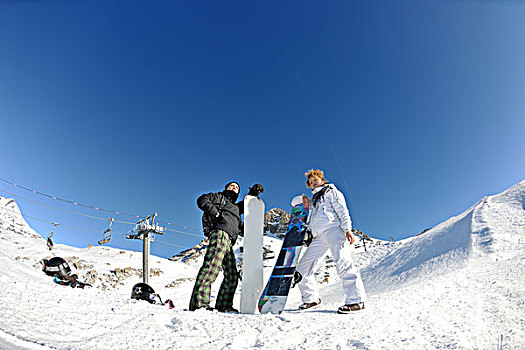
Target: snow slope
(457, 286)
(493, 225)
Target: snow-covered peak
(11, 219)
(493, 225)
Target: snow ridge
(493, 224)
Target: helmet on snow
(142, 291)
(56, 266)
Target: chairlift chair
(106, 236)
(49, 240)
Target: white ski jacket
(329, 210)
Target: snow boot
(349, 308)
(268, 254)
(229, 310)
(208, 308)
(305, 306)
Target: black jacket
(229, 218)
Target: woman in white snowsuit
(331, 229)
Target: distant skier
(331, 228)
(224, 218)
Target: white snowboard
(252, 266)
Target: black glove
(241, 229)
(256, 190)
(214, 213)
(297, 277)
(308, 238)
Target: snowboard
(252, 266)
(273, 298)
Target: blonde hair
(315, 173)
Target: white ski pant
(335, 240)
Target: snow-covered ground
(457, 286)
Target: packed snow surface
(457, 286)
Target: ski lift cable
(186, 233)
(51, 222)
(67, 201)
(175, 245)
(65, 210)
(84, 229)
(182, 226)
(97, 231)
(90, 216)
(92, 207)
(86, 215)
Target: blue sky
(414, 109)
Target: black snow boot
(305, 306)
(229, 310)
(349, 308)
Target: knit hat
(233, 182)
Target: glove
(214, 213)
(297, 277)
(256, 190)
(308, 238)
(241, 229)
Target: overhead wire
(64, 210)
(170, 223)
(83, 214)
(61, 225)
(172, 244)
(81, 228)
(89, 216)
(67, 200)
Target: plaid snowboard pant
(219, 254)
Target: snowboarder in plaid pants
(224, 216)
(219, 255)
